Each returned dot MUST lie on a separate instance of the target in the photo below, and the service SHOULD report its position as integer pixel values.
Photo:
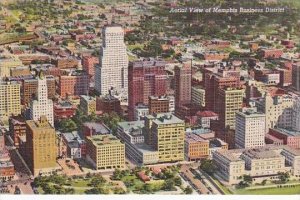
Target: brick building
(88, 64)
(63, 110)
(108, 104)
(76, 83)
(66, 63)
(145, 78)
(17, 128)
(158, 104)
(183, 84)
(30, 86)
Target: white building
(112, 72)
(250, 128)
(140, 111)
(131, 133)
(42, 105)
(278, 110)
(296, 115)
(171, 103)
(262, 163)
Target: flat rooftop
(288, 132)
(97, 127)
(102, 140)
(165, 118)
(127, 126)
(261, 153)
(144, 148)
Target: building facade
(296, 76)
(41, 148)
(250, 128)
(105, 152)
(112, 71)
(183, 84)
(146, 78)
(42, 106)
(10, 101)
(73, 84)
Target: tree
(208, 166)
(97, 181)
(97, 190)
(283, 177)
(247, 179)
(119, 190)
(169, 185)
(264, 182)
(188, 190)
(67, 125)
(177, 181)
(117, 175)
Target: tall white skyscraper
(42, 105)
(250, 128)
(112, 72)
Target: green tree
(188, 190)
(169, 185)
(97, 181)
(208, 166)
(119, 190)
(177, 181)
(283, 177)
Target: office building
(105, 152)
(89, 64)
(145, 78)
(76, 83)
(296, 76)
(42, 106)
(29, 89)
(250, 128)
(112, 71)
(41, 148)
(183, 84)
(215, 81)
(131, 133)
(198, 96)
(159, 104)
(108, 104)
(10, 102)
(229, 101)
(166, 135)
(278, 110)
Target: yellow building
(88, 104)
(7, 64)
(105, 152)
(198, 96)
(41, 148)
(229, 102)
(10, 103)
(167, 133)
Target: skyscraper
(229, 101)
(296, 76)
(42, 105)
(41, 147)
(112, 72)
(183, 84)
(250, 128)
(145, 78)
